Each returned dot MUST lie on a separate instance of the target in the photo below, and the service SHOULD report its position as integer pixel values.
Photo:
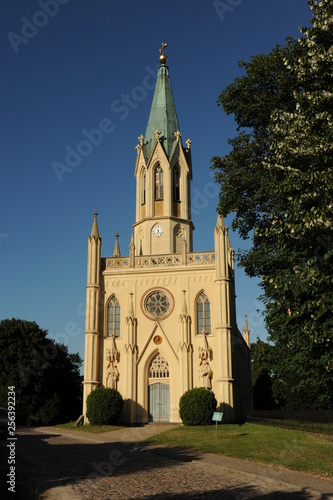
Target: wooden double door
(159, 402)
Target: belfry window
(114, 317)
(143, 188)
(203, 314)
(175, 183)
(158, 183)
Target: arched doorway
(159, 390)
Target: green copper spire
(163, 116)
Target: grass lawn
(292, 449)
(95, 429)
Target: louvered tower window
(158, 183)
(175, 183)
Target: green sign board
(217, 416)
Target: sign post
(217, 417)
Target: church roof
(163, 116)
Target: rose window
(158, 304)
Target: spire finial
(163, 57)
(131, 307)
(188, 144)
(94, 230)
(141, 139)
(116, 251)
(177, 134)
(219, 222)
(184, 310)
(246, 333)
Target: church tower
(162, 320)
(163, 174)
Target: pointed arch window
(176, 183)
(158, 183)
(143, 192)
(203, 314)
(114, 317)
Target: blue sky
(73, 66)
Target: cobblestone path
(69, 468)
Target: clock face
(158, 230)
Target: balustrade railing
(144, 261)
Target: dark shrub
(49, 413)
(104, 406)
(196, 406)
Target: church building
(162, 320)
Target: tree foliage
(45, 375)
(277, 179)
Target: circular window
(157, 304)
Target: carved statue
(112, 372)
(205, 371)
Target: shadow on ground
(47, 461)
(237, 494)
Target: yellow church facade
(162, 320)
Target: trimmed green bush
(104, 406)
(196, 406)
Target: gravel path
(67, 466)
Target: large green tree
(45, 375)
(277, 179)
